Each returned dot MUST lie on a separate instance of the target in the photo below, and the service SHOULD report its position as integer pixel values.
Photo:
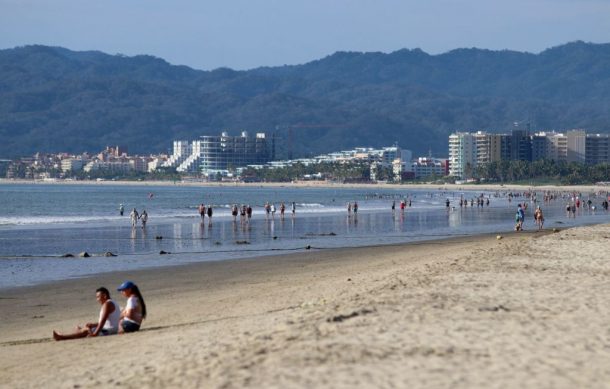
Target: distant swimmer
(134, 217)
(151, 195)
(121, 209)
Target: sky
(244, 34)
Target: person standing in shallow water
(210, 215)
(249, 212)
(539, 218)
(134, 217)
(202, 211)
(144, 218)
(121, 209)
(234, 212)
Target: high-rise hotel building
(218, 153)
(469, 150)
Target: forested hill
(54, 99)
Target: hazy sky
(244, 34)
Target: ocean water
(39, 223)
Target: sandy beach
(528, 310)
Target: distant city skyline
(244, 34)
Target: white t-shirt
(112, 322)
(132, 303)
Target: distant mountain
(53, 99)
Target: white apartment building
(122, 167)
(577, 141)
(462, 154)
(71, 164)
(426, 167)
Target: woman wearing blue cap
(135, 310)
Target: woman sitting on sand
(135, 310)
(108, 323)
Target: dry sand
(529, 310)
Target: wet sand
(335, 185)
(528, 310)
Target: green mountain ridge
(54, 99)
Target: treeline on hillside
(57, 100)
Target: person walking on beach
(234, 212)
(121, 209)
(539, 218)
(521, 211)
(249, 212)
(144, 218)
(282, 210)
(267, 210)
(134, 217)
(294, 209)
(349, 209)
(273, 210)
(135, 310)
(202, 211)
(244, 209)
(355, 208)
(107, 324)
(210, 214)
(393, 206)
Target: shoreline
(14, 290)
(324, 184)
(463, 312)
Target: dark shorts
(103, 331)
(129, 326)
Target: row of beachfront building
(225, 155)
(467, 150)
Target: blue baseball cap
(126, 285)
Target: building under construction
(219, 153)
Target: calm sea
(39, 223)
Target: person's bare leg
(75, 335)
